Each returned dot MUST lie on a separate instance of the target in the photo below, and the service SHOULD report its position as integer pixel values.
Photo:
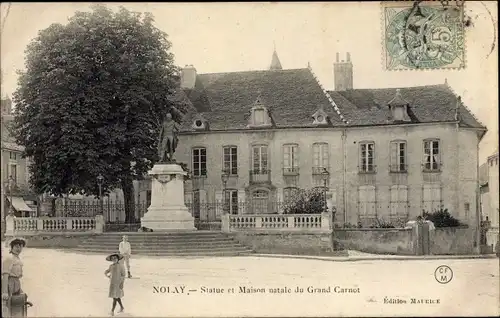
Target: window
(321, 157)
(399, 201)
(431, 155)
(199, 162)
(367, 201)
(259, 117)
(367, 157)
(290, 158)
(259, 159)
(431, 197)
(289, 193)
(231, 160)
(398, 156)
(13, 155)
(231, 201)
(13, 172)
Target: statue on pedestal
(167, 140)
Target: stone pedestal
(167, 211)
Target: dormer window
(259, 114)
(320, 117)
(199, 123)
(399, 107)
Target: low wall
(453, 241)
(288, 242)
(54, 241)
(377, 241)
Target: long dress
(13, 266)
(117, 278)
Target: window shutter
(241, 202)
(362, 200)
(436, 196)
(394, 200)
(394, 156)
(219, 202)
(372, 199)
(403, 199)
(427, 198)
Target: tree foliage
(91, 100)
(442, 218)
(311, 201)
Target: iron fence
(113, 212)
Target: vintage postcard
(250, 159)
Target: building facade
(489, 198)
(16, 193)
(389, 153)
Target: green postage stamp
(423, 35)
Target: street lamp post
(100, 180)
(224, 177)
(326, 175)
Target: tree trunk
(129, 200)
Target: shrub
(442, 218)
(381, 224)
(310, 201)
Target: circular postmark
(443, 274)
(424, 37)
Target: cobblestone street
(66, 284)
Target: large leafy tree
(91, 99)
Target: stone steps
(199, 243)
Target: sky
(228, 37)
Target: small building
(16, 193)
(489, 198)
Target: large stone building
(389, 153)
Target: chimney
(338, 57)
(188, 77)
(343, 75)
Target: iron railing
(260, 175)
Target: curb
(376, 258)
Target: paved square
(63, 284)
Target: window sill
(291, 173)
(399, 172)
(431, 171)
(367, 172)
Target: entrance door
(260, 202)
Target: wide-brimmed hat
(17, 241)
(119, 256)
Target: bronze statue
(167, 140)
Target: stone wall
(377, 241)
(453, 241)
(297, 243)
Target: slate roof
(426, 104)
(225, 99)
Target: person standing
(126, 250)
(116, 275)
(12, 272)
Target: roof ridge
(330, 99)
(255, 71)
(462, 103)
(386, 88)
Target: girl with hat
(116, 274)
(12, 270)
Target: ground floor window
(431, 197)
(231, 201)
